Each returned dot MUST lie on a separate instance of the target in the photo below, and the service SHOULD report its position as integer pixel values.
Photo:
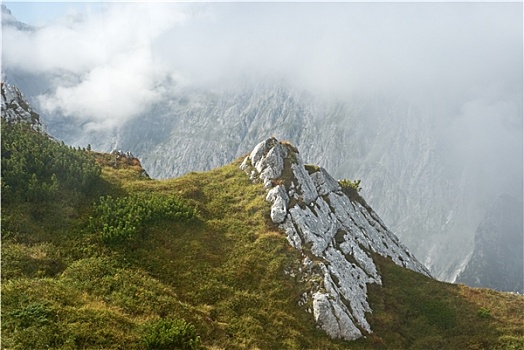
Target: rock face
(15, 107)
(336, 235)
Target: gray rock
(16, 109)
(279, 198)
(330, 318)
(324, 182)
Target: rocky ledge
(336, 235)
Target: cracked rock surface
(15, 108)
(337, 236)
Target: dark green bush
(117, 219)
(170, 334)
(34, 314)
(35, 167)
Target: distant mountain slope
(497, 261)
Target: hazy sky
(109, 62)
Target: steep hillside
(197, 262)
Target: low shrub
(170, 334)
(348, 184)
(117, 219)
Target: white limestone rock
(292, 235)
(335, 234)
(303, 182)
(324, 182)
(278, 196)
(15, 108)
(331, 319)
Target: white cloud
(108, 94)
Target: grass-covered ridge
(219, 276)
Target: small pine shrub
(117, 219)
(352, 189)
(35, 167)
(348, 184)
(170, 334)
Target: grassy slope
(63, 288)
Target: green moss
(312, 168)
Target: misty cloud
(100, 62)
(107, 94)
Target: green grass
(412, 311)
(63, 287)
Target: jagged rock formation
(497, 260)
(15, 108)
(336, 235)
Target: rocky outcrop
(15, 108)
(336, 235)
